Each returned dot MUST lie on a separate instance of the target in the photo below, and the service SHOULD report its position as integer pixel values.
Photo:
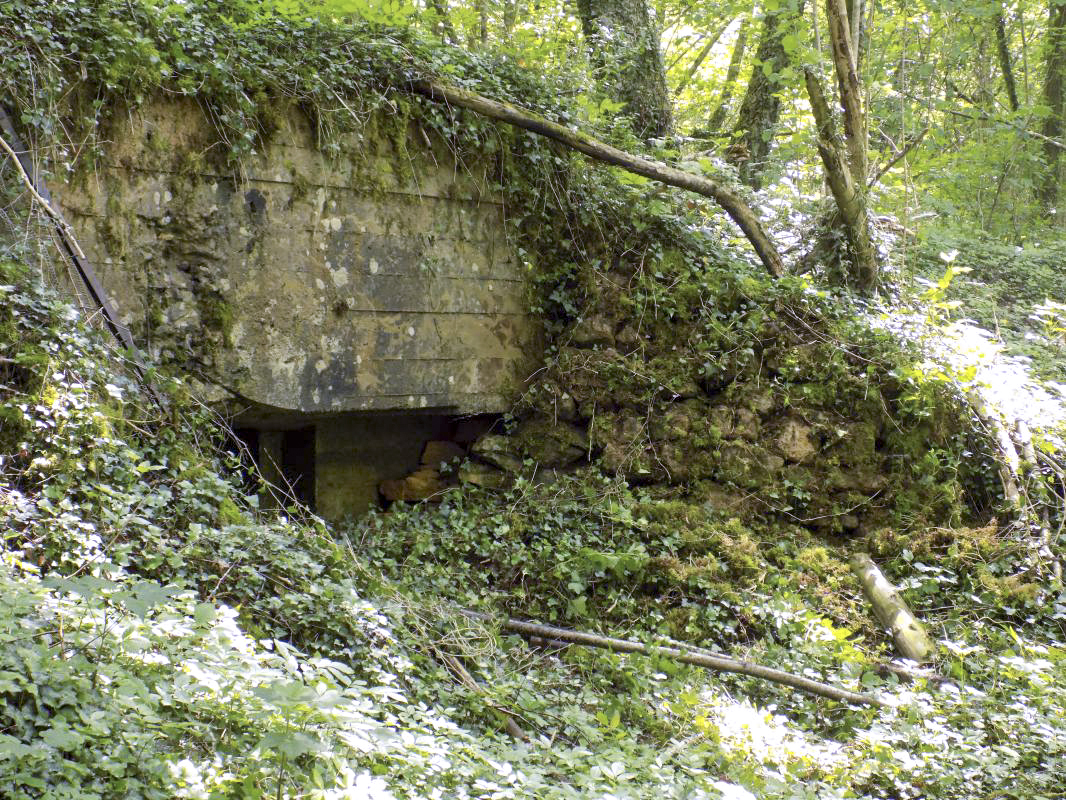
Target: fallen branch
(740, 212)
(884, 669)
(464, 677)
(891, 611)
(552, 634)
(1008, 464)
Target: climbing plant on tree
(760, 110)
(623, 41)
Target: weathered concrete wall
(380, 279)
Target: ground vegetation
(705, 448)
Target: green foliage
(1009, 289)
(163, 637)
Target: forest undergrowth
(163, 636)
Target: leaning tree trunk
(735, 60)
(623, 40)
(844, 157)
(1055, 101)
(760, 109)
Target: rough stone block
(796, 441)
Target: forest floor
(729, 442)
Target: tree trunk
(483, 22)
(1054, 100)
(845, 62)
(735, 60)
(1005, 66)
(510, 16)
(623, 41)
(697, 62)
(740, 212)
(849, 194)
(447, 29)
(845, 160)
(855, 10)
(761, 107)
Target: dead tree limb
(910, 145)
(738, 210)
(732, 72)
(1038, 498)
(41, 201)
(705, 51)
(1008, 464)
(716, 663)
(464, 677)
(891, 611)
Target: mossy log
(910, 637)
(740, 212)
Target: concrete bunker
(349, 308)
(345, 464)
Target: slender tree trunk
(760, 109)
(849, 194)
(697, 62)
(855, 10)
(623, 40)
(510, 16)
(731, 75)
(1054, 100)
(447, 29)
(1005, 65)
(1025, 58)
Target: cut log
(910, 637)
(437, 453)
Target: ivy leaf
(290, 744)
